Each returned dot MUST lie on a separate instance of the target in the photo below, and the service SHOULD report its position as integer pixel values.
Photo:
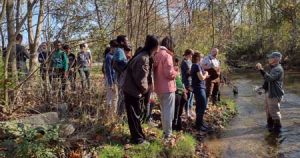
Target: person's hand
(113, 88)
(205, 73)
(151, 88)
(185, 96)
(176, 68)
(259, 66)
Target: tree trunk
(212, 23)
(116, 7)
(169, 19)
(36, 43)
(3, 10)
(18, 10)
(139, 23)
(10, 62)
(129, 19)
(30, 33)
(98, 12)
(2, 37)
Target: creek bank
(40, 134)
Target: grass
(184, 146)
(230, 109)
(109, 151)
(154, 149)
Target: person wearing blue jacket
(110, 76)
(119, 58)
(119, 64)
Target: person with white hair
(273, 82)
(211, 64)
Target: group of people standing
(64, 65)
(58, 63)
(155, 68)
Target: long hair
(168, 43)
(120, 39)
(151, 43)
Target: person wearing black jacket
(21, 57)
(136, 85)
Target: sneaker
(201, 128)
(205, 126)
(144, 143)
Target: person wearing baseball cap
(273, 81)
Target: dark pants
(212, 90)
(72, 79)
(180, 102)
(201, 103)
(85, 77)
(58, 74)
(134, 114)
(43, 72)
(22, 70)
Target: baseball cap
(275, 55)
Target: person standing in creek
(273, 82)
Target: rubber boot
(270, 124)
(277, 126)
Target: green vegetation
(32, 142)
(154, 149)
(110, 151)
(220, 115)
(184, 146)
(230, 109)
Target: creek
(246, 135)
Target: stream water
(246, 135)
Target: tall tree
(10, 63)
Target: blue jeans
(201, 104)
(190, 101)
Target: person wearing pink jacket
(165, 84)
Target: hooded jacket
(164, 72)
